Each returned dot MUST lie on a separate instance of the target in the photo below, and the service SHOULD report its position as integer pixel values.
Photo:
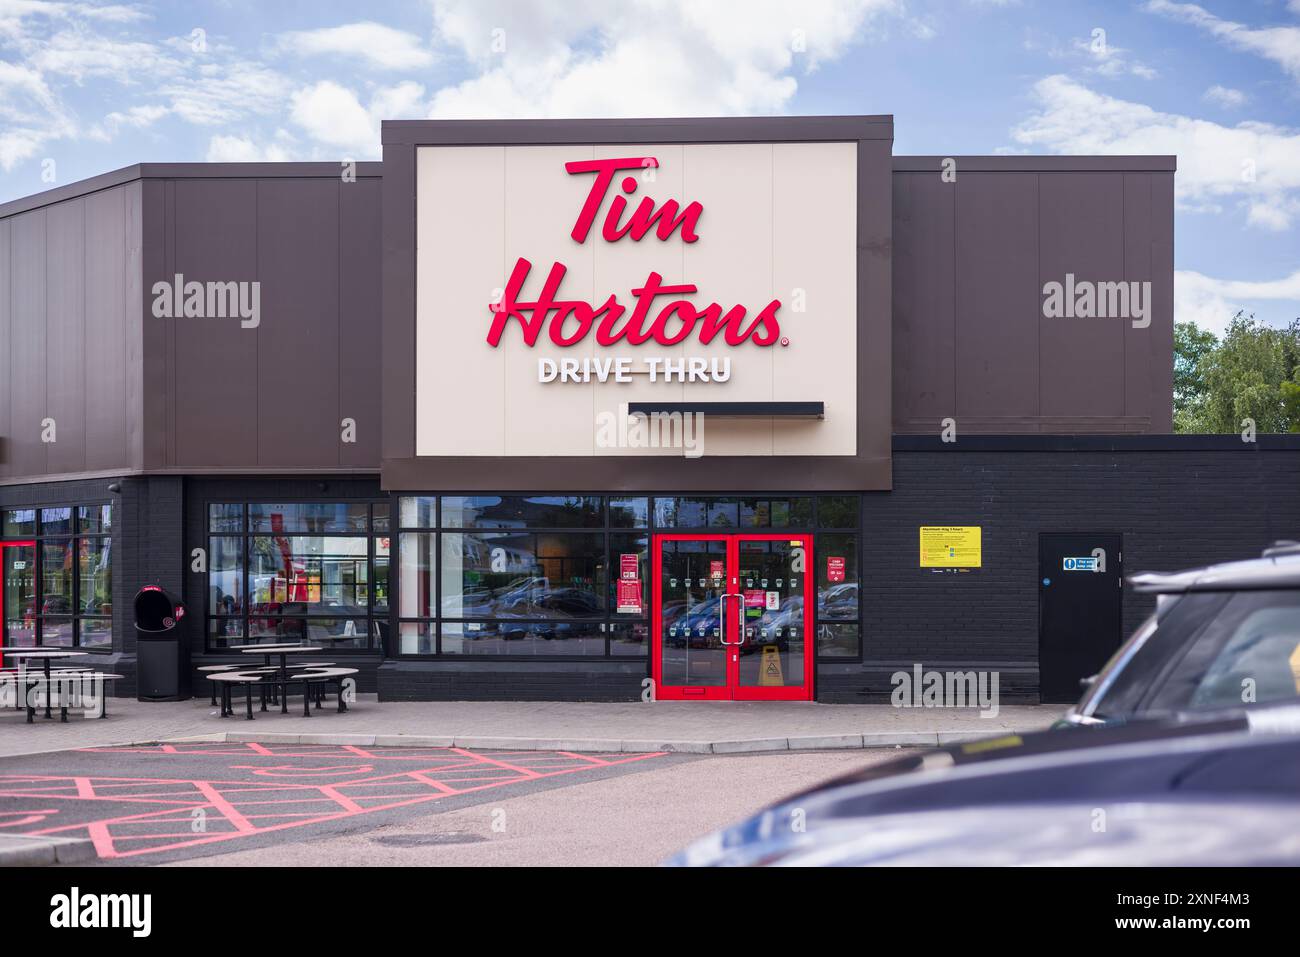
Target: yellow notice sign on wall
(950, 546)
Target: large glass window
(314, 571)
(561, 575)
(838, 578)
(59, 592)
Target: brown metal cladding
(970, 260)
(271, 398)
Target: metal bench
(227, 680)
(24, 682)
(320, 677)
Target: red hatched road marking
(234, 809)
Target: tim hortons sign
(656, 312)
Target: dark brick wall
(596, 680)
(1189, 505)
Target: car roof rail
(1283, 546)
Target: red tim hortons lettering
(665, 219)
(532, 315)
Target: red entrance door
(732, 618)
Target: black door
(1079, 578)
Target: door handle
(722, 617)
(722, 611)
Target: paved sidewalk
(693, 726)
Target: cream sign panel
(557, 284)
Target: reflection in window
(226, 576)
(308, 575)
(837, 576)
(838, 640)
(20, 523)
(311, 517)
(417, 593)
(95, 584)
(507, 637)
(59, 592)
(298, 571)
(416, 638)
(519, 511)
(522, 575)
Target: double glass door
(732, 617)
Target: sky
(88, 86)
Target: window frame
(374, 639)
(73, 538)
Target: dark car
(1222, 637)
(1212, 790)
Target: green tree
(1191, 345)
(1244, 375)
(1291, 402)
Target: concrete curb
(909, 739)
(22, 850)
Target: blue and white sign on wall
(1088, 564)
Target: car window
(1249, 654)
(1141, 661)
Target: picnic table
(282, 673)
(45, 655)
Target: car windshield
(1153, 647)
(1249, 653)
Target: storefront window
(519, 511)
(691, 512)
(629, 512)
(838, 589)
(837, 511)
(59, 593)
(562, 575)
(838, 640)
(419, 591)
(313, 517)
(311, 571)
(522, 575)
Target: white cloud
(333, 115)
(380, 46)
(1279, 44)
(136, 117)
(1106, 59)
(32, 115)
(1210, 302)
(1225, 96)
(221, 91)
(1254, 164)
(644, 57)
(79, 55)
(241, 149)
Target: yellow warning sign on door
(769, 668)
(950, 546)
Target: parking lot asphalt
(154, 804)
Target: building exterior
(719, 409)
